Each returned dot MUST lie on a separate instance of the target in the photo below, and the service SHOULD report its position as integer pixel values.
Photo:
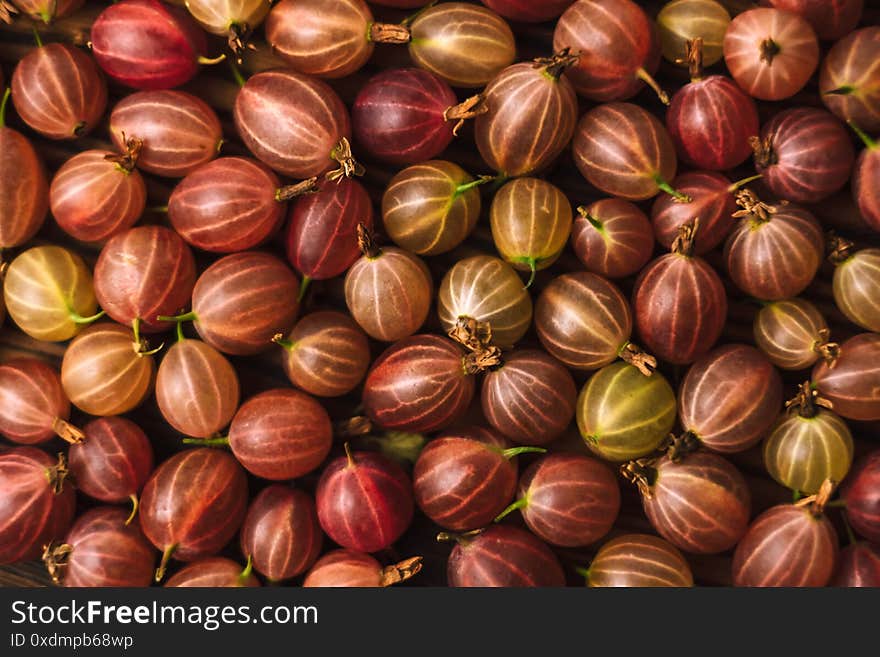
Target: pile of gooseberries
(498, 293)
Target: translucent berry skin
(322, 230)
(639, 560)
(226, 205)
(462, 482)
(617, 40)
(503, 556)
(107, 552)
(419, 384)
(811, 155)
(280, 532)
(710, 121)
(146, 44)
(313, 119)
(365, 501)
(571, 499)
(93, 199)
(281, 434)
(398, 116)
(787, 546)
(59, 91)
(175, 512)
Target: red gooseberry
(502, 556)
(420, 384)
(98, 194)
(364, 500)
(179, 131)
(37, 504)
(196, 389)
(179, 518)
(770, 53)
(101, 549)
(347, 568)
(679, 303)
(147, 44)
(618, 46)
(58, 91)
(280, 533)
(612, 237)
(517, 138)
(568, 500)
(143, 273)
(281, 434)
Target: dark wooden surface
(216, 86)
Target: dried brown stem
(469, 109)
(555, 66)
(480, 361)
(348, 166)
(128, 159)
(642, 473)
(806, 401)
(633, 354)
(288, 192)
(828, 351)
(237, 39)
(55, 557)
(67, 432)
(367, 241)
(471, 334)
(684, 241)
(763, 150)
(58, 473)
(769, 50)
(400, 572)
(677, 448)
(816, 503)
(839, 249)
(694, 58)
(389, 33)
(752, 206)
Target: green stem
(466, 187)
(864, 136)
(246, 573)
(666, 187)
(303, 288)
(795, 496)
(236, 73)
(3, 103)
(595, 223)
(836, 504)
(161, 209)
(521, 503)
(210, 61)
(180, 336)
(184, 317)
(282, 342)
(845, 90)
(76, 318)
(163, 565)
(516, 451)
(533, 269)
(583, 572)
(219, 441)
(745, 181)
(37, 38)
(135, 503)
